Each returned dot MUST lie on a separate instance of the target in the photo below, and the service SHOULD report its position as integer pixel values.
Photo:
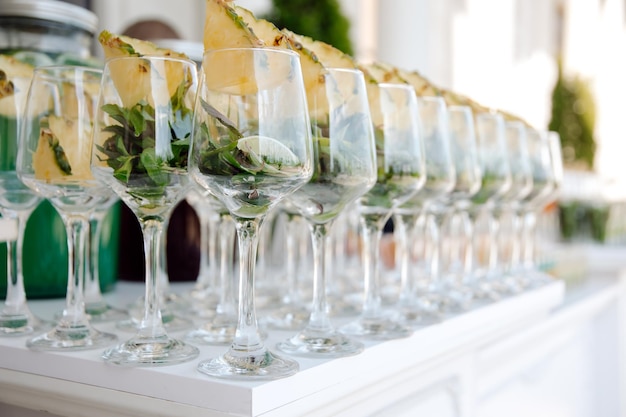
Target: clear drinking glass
(142, 136)
(292, 312)
(222, 322)
(401, 173)
(344, 170)
(251, 149)
(456, 247)
(204, 295)
(95, 305)
(496, 180)
(521, 185)
(16, 202)
(53, 160)
(418, 306)
(547, 172)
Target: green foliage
(321, 20)
(573, 117)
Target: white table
(547, 352)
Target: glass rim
(433, 99)
(251, 48)
(61, 72)
(341, 69)
(182, 60)
(397, 86)
(461, 107)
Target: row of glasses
(251, 142)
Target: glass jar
(44, 32)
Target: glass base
(218, 331)
(289, 317)
(150, 352)
(320, 345)
(377, 328)
(245, 367)
(171, 322)
(414, 316)
(101, 313)
(82, 337)
(19, 324)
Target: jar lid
(51, 10)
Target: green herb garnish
(131, 150)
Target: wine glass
(344, 170)
(204, 294)
(16, 202)
(292, 313)
(251, 148)
(456, 256)
(95, 305)
(141, 143)
(505, 207)
(53, 161)
(222, 324)
(496, 180)
(419, 306)
(401, 173)
(547, 172)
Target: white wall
(185, 16)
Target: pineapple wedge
(331, 57)
(133, 79)
(60, 154)
(14, 75)
(269, 34)
(382, 73)
(225, 28)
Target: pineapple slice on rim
(13, 74)
(133, 79)
(271, 36)
(225, 28)
(331, 57)
(383, 73)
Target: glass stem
(319, 320)
(78, 236)
(517, 243)
(493, 219)
(93, 295)
(404, 225)
(292, 240)
(207, 275)
(16, 294)
(372, 227)
(467, 251)
(247, 337)
(226, 304)
(433, 249)
(530, 221)
(151, 325)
